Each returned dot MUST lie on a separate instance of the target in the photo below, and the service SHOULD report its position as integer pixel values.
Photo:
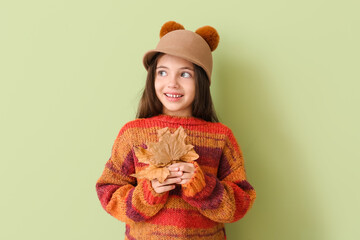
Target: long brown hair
(202, 106)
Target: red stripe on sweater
(242, 201)
(216, 128)
(235, 145)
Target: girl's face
(175, 85)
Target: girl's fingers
(167, 185)
(187, 176)
(188, 167)
(173, 168)
(184, 171)
(166, 188)
(169, 181)
(184, 167)
(175, 174)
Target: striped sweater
(217, 193)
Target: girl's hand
(184, 170)
(168, 184)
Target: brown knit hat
(195, 47)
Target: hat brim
(150, 54)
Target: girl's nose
(173, 82)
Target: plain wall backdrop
(285, 80)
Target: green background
(285, 80)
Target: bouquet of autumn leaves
(170, 148)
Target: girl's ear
(210, 35)
(170, 26)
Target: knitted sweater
(217, 193)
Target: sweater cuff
(196, 184)
(150, 195)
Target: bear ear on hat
(169, 27)
(210, 35)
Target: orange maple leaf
(169, 149)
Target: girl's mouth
(173, 97)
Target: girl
(197, 197)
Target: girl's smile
(175, 85)
(173, 96)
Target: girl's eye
(186, 75)
(162, 73)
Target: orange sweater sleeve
(224, 198)
(123, 196)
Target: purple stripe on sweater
(127, 166)
(224, 167)
(245, 185)
(209, 156)
(214, 200)
(131, 212)
(190, 236)
(111, 167)
(211, 195)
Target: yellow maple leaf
(169, 149)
